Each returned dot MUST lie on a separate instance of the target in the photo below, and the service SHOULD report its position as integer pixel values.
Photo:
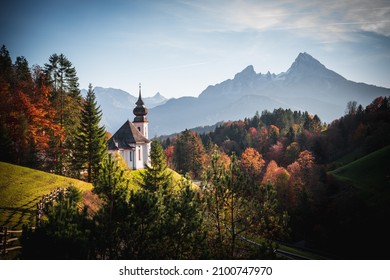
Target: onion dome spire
(140, 111)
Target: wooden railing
(10, 237)
(47, 200)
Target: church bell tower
(140, 112)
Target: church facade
(131, 140)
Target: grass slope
(21, 188)
(370, 175)
(135, 176)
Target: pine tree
(66, 99)
(156, 175)
(90, 141)
(65, 233)
(185, 236)
(112, 187)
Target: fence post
(4, 240)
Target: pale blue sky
(180, 47)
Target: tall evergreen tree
(90, 141)
(66, 99)
(112, 187)
(156, 175)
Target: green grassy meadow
(21, 188)
(370, 175)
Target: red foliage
(169, 151)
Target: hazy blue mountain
(117, 105)
(307, 86)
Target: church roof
(126, 137)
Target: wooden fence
(47, 201)
(11, 237)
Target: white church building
(131, 140)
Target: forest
(248, 187)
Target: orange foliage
(169, 155)
(273, 129)
(306, 160)
(270, 173)
(28, 116)
(252, 161)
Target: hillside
(21, 188)
(370, 175)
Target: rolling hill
(21, 188)
(370, 175)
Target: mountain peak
(158, 95)
(246, 73)
(306, 65)
(306, 61)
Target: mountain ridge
(307, 85)
(117, 105)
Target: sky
(180, 47)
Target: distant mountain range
(117, 105)
(306, 86)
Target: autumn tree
(169, 151)
(252, 163)
(26, 114)
(237, 207)
(90, 140)
(189, 154)
(312, 123)
(292, 153)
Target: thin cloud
(321, 20)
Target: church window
(131, 156)
(139, 153)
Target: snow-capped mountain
(306, 86)
(117, 105)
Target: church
(131, 140)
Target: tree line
(44, 121)
(292, 153)
(162, 218)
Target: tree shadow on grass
(15, 217)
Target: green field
(370, 175)
(21, 188)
